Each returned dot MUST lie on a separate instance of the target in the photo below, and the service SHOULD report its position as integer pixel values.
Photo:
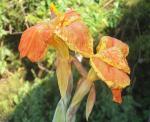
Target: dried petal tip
(117, 95)
(53, 10)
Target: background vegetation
(29, 92)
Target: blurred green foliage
(29, 93)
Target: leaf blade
(90, 101)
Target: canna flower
(65, 31)
(110, 65)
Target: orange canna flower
(111, 66)
(65, 31)
(68, 27)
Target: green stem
(65, 82)
(80, 92)
(61, 109)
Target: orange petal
(108, 42)
(77, 37)
(112, 76)
(69, 17)
(117, 95)
(75, 33)
(90, 101)
(114, 57)
(34, 41)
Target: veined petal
(69, 17)
(77, 37)
(34, 41)
(108, 42)
(75, 33)
(114, 57)
(90, 101)
(117, 95)
(112, 76)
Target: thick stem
(62, 106)
(65, 82)
(79, 66)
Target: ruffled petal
(112, 76)
(114, 57)
(108, 42)
(75, 34)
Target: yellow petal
(63, 66)
(63, 70)
(112, 76)
(90, 101)
(114, 57)
(53, 10)
(108, 42)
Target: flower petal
(69, 17)
(34, 41)
(90, 101)
(75, 34)
(114, 57)
(112, 76)
(108, 42)
(117, 95)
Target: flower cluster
(66, 31)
